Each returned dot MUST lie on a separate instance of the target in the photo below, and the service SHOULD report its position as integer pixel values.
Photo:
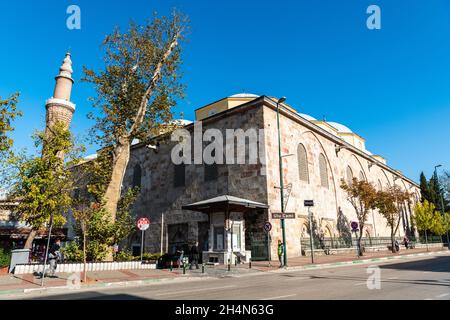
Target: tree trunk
(360, 253)
(393, 241)
(112, 194)
(84, 257)
(426, 239)
(30, 239)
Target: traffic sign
(283, 215)
(354, 225)
(143, 224)
(308, 203)
(267, 226)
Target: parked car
(164, 261)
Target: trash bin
(19, 256)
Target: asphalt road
(419, 278)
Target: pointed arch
(302, 159)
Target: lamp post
(280, 161)
(46, 249)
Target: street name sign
(283, 215)
(308, 203)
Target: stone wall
(328, 201)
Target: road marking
(442, 295)
(360, 284)
(192, 290)
(425, 271)
(428, 299)
(279, 297)
(392, 278)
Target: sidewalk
(15, 284)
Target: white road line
(428, 299)
(425, 271)
(360, 284)
(192, 290)
(392, 278)
(442, 295)
(279, 297)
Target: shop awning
(225, 202)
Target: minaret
(59, 107)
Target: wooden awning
(224, 203)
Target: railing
(341, 243)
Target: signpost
(267, 228)
(143, 224)
(355, 229)
(309, 204)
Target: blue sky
(391, 86)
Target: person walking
(194, 256)
(54, 256)
(280, 252)
(406, 242)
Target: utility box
(19, 256)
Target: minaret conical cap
(66, 68)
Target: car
(165, 259)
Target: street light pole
(280, 161)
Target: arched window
(362, 177)
(380, 186)
(302, 163)
(349, 176)
(323, 171)
(137, 176)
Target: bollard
(229, 264)
(235, 262)
(203, 268)
(184, 268)
(171, 266)
(250, 263)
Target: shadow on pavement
(90, 295)
(436, 264)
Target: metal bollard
(229, 264)
(171, 266)
(235, 262)
(250, 263)
(203, 268)
(184, 268)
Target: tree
(362, 196)
(135, 92)
(439, 224)
(424, 188)
(8, 112)
(43, 184)
(391, 204)
(424, 217)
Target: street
(423, 278)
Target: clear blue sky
(392, 86)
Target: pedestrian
(406, 241)
(194, 255)
(54, 256)
(280, 252)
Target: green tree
(135, 92)
(439, 224)
(8, 112)
(391, 204)
(424, 188)
(362, 196)
(424, 217)
(43, 183)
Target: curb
(187, 278)
(356, 262)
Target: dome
(307, 116)
(181, 122)
(244, 95)
(340, 127)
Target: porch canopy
(225, 202)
